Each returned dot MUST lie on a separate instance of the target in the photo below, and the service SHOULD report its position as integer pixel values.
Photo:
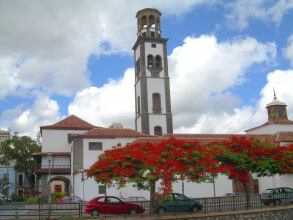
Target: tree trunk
(247, 194)
(153, 202)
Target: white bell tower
(152, 87)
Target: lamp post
(214, 185)
(82, 171)
(49, 176)
(49, 188)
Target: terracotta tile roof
(203, 138)
(280, 122)
(110, 133)
(284, 137)
(72, 122)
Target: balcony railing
(55, 166)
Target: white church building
(71, 146)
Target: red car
(111, 205)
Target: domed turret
(148, 23)
(277, 110)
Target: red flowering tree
(144, 163)
(239, 157)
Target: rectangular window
(137, 67)
(95, 146)
(138, 104)
(102, 189)
(154, 45)
(20, 179)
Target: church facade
(71, 146)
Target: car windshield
(180, 197)
(268, 191)
(113, 200)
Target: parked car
(111, 205)
(134, 199)
(277, 196)
(176, 202)
(71, 199)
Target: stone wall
(276, 213)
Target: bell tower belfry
(152, 87)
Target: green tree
(19, 152)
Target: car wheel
(132, 212)
(195, 209)
(161, 211)
(95, 213)
(277, 202)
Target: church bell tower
(152, 87)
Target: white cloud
(27, 120)
(241, 12)
(289, 50)
(247, 117)
(202, 71)
(49, 42)
(113, 102)
(280, 9)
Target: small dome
(276, 102)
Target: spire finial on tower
(275, 97)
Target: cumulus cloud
(48, 42)
(202, 70)
(289, 50)
(112, 102)
(241, 12)
(247, 117)
(27, 120)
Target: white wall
(156, 85)
(272, 129)
(191, 189)
(223, 185)
(91, 187)
(57, 140)
(275, 181)
(157, 120)
(92, 156)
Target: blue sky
(76, 58)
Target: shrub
(32, 200)
(57, 196)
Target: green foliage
(57, 196)
(20, 150)
(32, 200)
(4, 186)
(16, 198)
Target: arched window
(150, 61)
(158, 62)
(151, 20)
(143, 21)
(158, 131)
(156, 103)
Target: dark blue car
(176, 202)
